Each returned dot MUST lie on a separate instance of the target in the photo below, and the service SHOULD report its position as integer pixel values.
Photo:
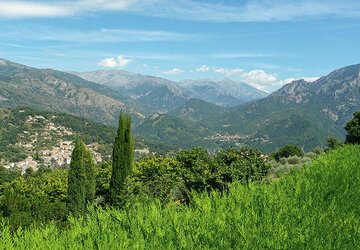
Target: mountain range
(193, 112)
(161, 95)
(222, 92)
(301, 113)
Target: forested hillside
(25, 132)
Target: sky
(265, 43)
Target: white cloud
(259, 76)
(203, 68)
(238, 11)
(119, 62)
(22, 9)
(174, 71)
(228, 72)
(289, 80)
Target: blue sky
(265, 43)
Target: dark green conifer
(123, 154)
(90, 175)
(76, 181)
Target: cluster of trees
(81, 179)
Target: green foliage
(102, 178)
(334, 143)
(288, 150)
(8, 175)
(353, 129)
(245, 164)
(285, 165)
(198, 170)
(35, 199)
(90, 182)
(318, 150)
(315, 208)
(158, 177)
(76, 181)
(123, 154)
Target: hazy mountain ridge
(158, 94)
(164, 95)
(222, 92)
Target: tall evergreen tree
(76, 181)
(123, 154)
(90, 175)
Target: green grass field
(317, 207)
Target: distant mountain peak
(222, 92)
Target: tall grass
(315, 207)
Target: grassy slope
(317, 207)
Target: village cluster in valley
(56, 157)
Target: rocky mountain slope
(53, 90)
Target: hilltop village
(45, 147)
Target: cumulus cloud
(259, 76)
(174, 71)
(289, 80)
(119, 62)
(203, 68)
(228, 72)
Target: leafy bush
(334, 143)
(173, 178)
(241, 164)
(35, 200)
(353, 129)
(158, 177)
(288, 150)
(284, 165)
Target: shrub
(334, 143)
(288, 150)
(293, 160)
(353, 129)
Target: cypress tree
(76, 181)
(123, 154)
(90, 175)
